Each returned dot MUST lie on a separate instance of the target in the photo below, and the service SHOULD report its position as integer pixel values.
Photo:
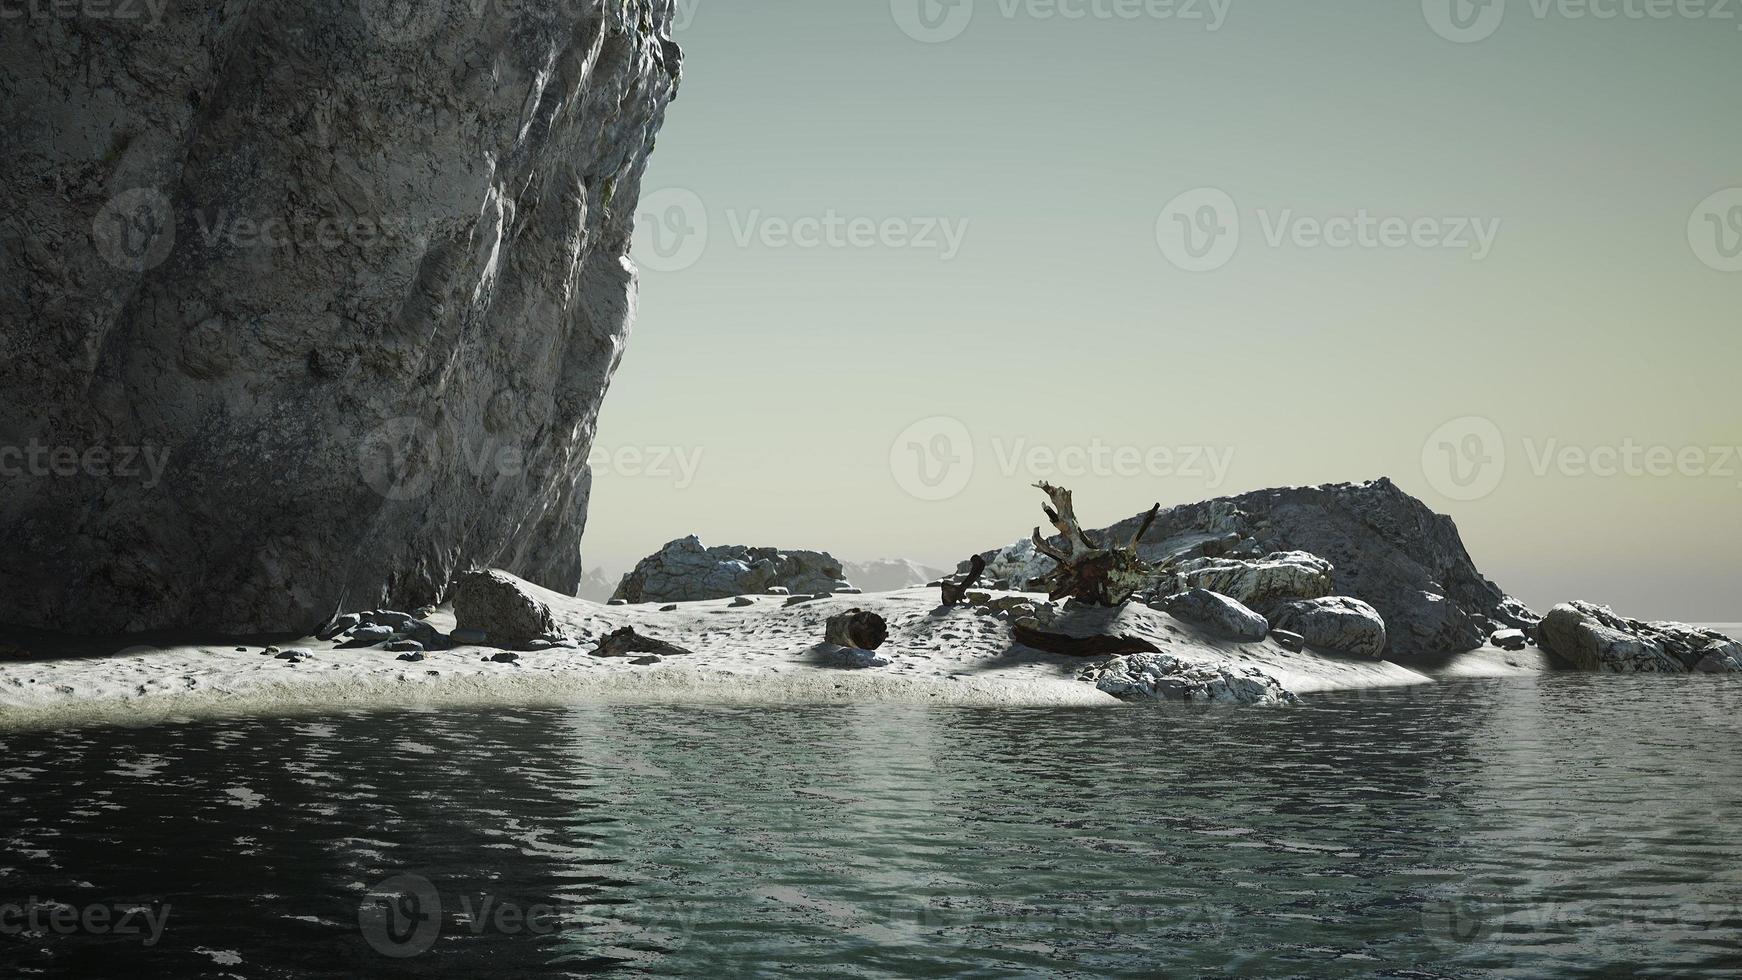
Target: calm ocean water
(1575, 825)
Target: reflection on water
(1498, 827)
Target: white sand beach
(766, 652)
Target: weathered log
(1106, 645)
(625, 642)
(1086, 570)
(857, 628)
(954, 592)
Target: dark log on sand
(626, 642)
(857, 628)
(1083, 646)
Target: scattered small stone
(779, 590)
(270, 650)
(241, 649)
(797, 599)
(404, 646)
(387, 617)
(743, 600)
(850, 590)
(468, 637)
(1508, 639)
(670, 608)
(294, 655)
(425, 613)
(618, 602)
(503, 658)
(1289, 641)
(415, 656)
(648, 660)
(368, 636)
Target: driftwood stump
(625, 642)
(857, 628)
(955, 592)
(1088, 570)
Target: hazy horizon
(887, 282)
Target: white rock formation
(1165, 677)
(1595, 638)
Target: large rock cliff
(309, 306)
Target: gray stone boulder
(1594, 638)
(499, 606)
(1258, 583)
(685, 571)
(1165, 677)
(1338, 623)
(324, 297)
(1216, 613)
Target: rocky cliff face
(309, 306)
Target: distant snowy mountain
(598, 584)
(889, 574)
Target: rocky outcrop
(1165, 677)
(685, 571)
(1216, 613)
(310, 306)
(1386, 548)
(1336, 623)
(1594, 638)
(1259, 583)
(498, 606)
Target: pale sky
(888, 283)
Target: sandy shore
(767, 652)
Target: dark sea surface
(1572, 826)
